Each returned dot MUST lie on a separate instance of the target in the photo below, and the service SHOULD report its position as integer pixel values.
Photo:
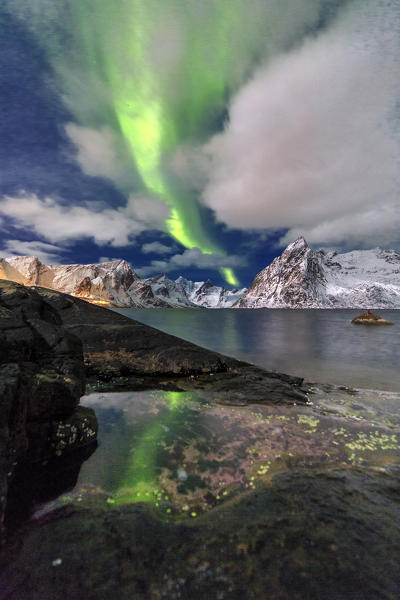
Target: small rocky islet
(309, 501)
(369, 318)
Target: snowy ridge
(303, 278)
(299, 278)
(111, 283)
(183, 292)
(116, 284)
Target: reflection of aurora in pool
(139, 483)
(184, 455)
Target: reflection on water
(140, 478)
(320, 345)
(184, 455)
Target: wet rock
(369, 318)
(117, 348)
(41, 379)
(250, 385)
(318, 535)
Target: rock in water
(369, 318)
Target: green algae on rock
(183, 454)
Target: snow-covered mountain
(183, 292)
(208, 295)
(299, 278)
(171, 292)
(111, 283)
(303, 278)
(116, 284)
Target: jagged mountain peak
(115, 283)
(298, 244)
(304, 278)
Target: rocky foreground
(51, 342)
(295, 502)
(306, 536)
(42, 378)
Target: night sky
(198, 138)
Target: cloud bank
(59, 223)
(47, 253)
(191, 258)
(156, 248)
(312, 141)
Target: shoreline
(310, 463)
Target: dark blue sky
(36, 157)
(54, 205)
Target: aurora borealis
(167, 69)
(187, 113)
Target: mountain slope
(116, 284)
(185, 293)
(303, 278)
(208, 295)
(111, 283)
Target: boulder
(369, 318)
(42, 378)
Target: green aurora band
(168, 74)
(159, 73)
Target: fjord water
(319, 345)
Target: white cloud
(106, 259)
(193, 257)
(157, 248)
(59, 223)
(147, 210)
(313, 139)
(47, 253)
(376, 226)
(96, 151)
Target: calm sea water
(319, 345)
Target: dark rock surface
(42, 372)
(313, 536)
(114, 345)
(128, 354)
(41, 380)
(327, 532)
